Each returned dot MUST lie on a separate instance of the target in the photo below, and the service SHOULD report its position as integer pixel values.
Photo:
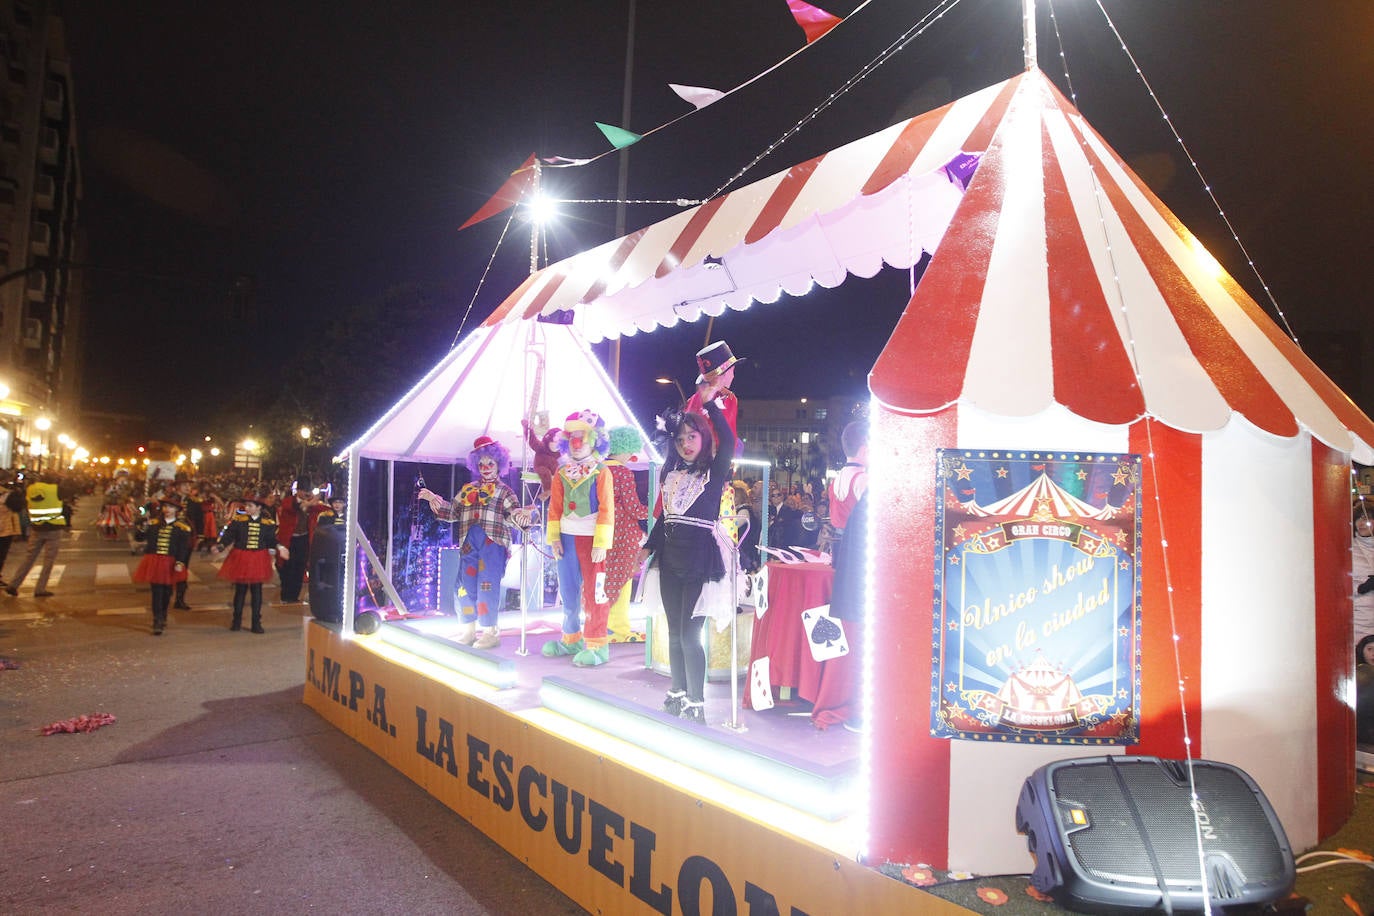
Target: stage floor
(784, 734)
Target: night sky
(329, 149)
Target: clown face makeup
(487, 469)
(579, 446)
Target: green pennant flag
(619, 136)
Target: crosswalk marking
(111, 611)
(53, 580)
(113, 574)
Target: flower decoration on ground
(1038, 895)
(992, 895)
(919, 875)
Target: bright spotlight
(543, 209)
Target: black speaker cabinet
(1121, 833)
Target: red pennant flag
(507, 196)
(814, 21)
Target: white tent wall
(1259, 707)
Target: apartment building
(40, 245)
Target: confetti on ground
(82, 723)
(7, 663)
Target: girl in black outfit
(683, 540)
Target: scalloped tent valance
(1057, 276)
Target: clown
(484, 510)
(580, 531)
(621, 565)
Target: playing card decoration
(760, 690)
(760, 581)
(825, 634)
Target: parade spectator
(47, 526)
(293, 530)
(1362, 569)
(11, 521)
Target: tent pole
(1028, 31)
(390, 512)
(350, 577)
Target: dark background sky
(329, 149)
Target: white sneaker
(468, 635)
(490, 639)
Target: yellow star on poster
(1121, 476)
(1001, 472)
(1082, 474)
(959, 532)
(964, 472)
(993, 542)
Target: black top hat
(713, 359)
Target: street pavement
(215, 790)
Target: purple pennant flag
(961, 168)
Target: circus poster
(1037, 597)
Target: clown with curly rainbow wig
(581, 528)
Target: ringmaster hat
(713, 359)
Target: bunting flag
(507, 196)
(814, 21)
(696, 96)
(619, 136)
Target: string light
(1153, 468)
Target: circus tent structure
(1064, 308)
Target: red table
(779, 635)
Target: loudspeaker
(1114, 833)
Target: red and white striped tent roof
(1058, 278)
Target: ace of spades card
(825, 634)
(760, 690)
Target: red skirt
(210, 530)
(158, 569)
(249, 567)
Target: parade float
(1069, 421)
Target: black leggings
(686, 653)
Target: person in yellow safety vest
(47, 525)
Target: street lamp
(305, 440)
(665, 380)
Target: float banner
(1037, 597)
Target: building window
(801, 413)
(821, 412)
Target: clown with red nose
(581, 528)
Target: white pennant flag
(696, 95)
